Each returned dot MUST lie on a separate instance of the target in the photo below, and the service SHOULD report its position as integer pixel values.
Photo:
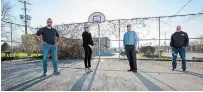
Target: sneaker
(86, 70)
(44, 74)
(135, 71)
(184, 70)
(90, 69)
(57, 73)
(173, 69)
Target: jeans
(181, 52)
(46, 49)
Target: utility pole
(26, 18)
(25, 10)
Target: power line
(159, 17)
(192, 17)
(17, 24)
(127, 19)
(183, 7)
(179, 10)
(145, 18)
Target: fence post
(99, 41)
(11, 41)
(159, 39)
(119, 38)
(37, 44)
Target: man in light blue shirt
(130, 43)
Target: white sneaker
(87, 70)
(90, 69)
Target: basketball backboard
(96, 17)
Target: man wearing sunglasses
(130, 43)
(49, 42)
(87, 44)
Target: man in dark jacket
(88, 46)
(179, 41)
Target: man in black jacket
(87, 44)
(179, 40)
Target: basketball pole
(99, 41)
(96, 18)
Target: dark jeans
(88, 55)
(181, 52)
(131, 55)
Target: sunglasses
(49, 22)
(128, 26)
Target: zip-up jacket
(179, 39)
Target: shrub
(147, 50)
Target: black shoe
(173, 69)
(184, 70)
(130, 70)
(57, 73)
(44, 74)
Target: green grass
(3, 54)
(140, 54)
(165, 57)
(21, 55)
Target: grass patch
(165, 57)
(140, 54)
(21, 55)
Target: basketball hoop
(96, 17)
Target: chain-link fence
(13, 41)
(152, 31)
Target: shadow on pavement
(159, 80)
(63, 68)
(93, 76)
(79, 84)
(192, 73)
(148, 84)
(29, 82)
(99, 69)
(161, 72)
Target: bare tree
(6, 15)
(6, 10)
